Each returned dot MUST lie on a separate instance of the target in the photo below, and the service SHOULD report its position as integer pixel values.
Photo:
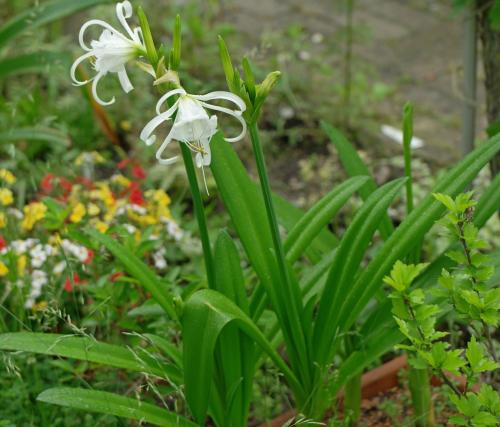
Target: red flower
(84, 181)
(115, 276)
(136, 195)
(3, 243)
(46, 183)
(90, 256)
(65, 185)
(123, 164)
(68, 284)
(138, 172)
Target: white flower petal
(220, 94)
(154, 123)
(100, 23)
(235, 114)
(75, 65)
(94, 91)
(162, 148)
(124, 80)
(169, 94)
(123, 12)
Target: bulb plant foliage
(471, 293)
(313, 291)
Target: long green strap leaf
(137, 269)
(42, 14)
(488, 204)
(35, 134)
(89, 350)
(289, 215)
(245, 205)
(234, 351)
(354, 166)
(112, 404)
(32, 62)
(206, 314)
(346, 263)
(316, 218)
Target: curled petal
(227, 96)
(123, 12)
(235, 114)
(94, 91)
(124, 80)
(75, 65)
(155, 122)
(162, 148)
(169, 94)
(100, 23)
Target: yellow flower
(42, 305)
(3, 220)
(121, 180)
(21, 265)
(33, 213)
(78, 213)
(55, 240)
(125, 125)
(3, 269)
(103, 193)
(7, 176)
(158, 204)
(142, 219)
(93, 209)
(92, 157)
(6, 197)
(101, 226)
(159, 196)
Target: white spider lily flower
(192, 124)
(111, 52)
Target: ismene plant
(318, 311)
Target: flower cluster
(192, 125)
(36, 247)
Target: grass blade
(43, 62)
(42, 14)
(35, 134)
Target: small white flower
(111, 52)
(173, 229)
(159, 259)
(130, 228)
(192, 125)
(59, 267)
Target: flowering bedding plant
(37, 250)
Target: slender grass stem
(200, 213)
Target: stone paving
(415, 46)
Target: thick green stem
(200, 213)
(420, 390)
